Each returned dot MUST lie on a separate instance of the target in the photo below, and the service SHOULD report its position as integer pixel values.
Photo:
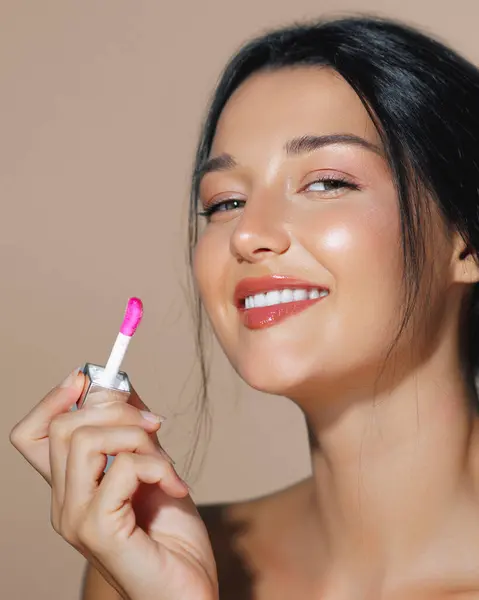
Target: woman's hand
(136, 523)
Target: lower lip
(267, 316)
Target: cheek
(358, 247)
(361, 251)
(209, 267)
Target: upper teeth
(282, 296)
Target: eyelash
(208, 212)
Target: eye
(223, 206)
(333, 183)
(323, 183)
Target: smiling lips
(266, 301)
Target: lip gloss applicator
(110, 378)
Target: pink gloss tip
(133, 315)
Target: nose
(261, 231)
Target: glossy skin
(345, 239)
(384, 482)
(391, 508)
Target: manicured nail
(151, 417)
(70, 380)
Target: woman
(339, 160)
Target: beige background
(100, 105)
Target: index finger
(34, 426)
(137, 402)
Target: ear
(465, 263)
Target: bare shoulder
(226, 530)
(244, 535)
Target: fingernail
(151, 417)
(70, 380)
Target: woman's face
(292, 203)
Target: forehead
(277, 105)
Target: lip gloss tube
(109, 379)
(104, 384)
(120, 389)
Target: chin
(297, 378)
(272, 377)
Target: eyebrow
(294, 147)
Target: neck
(391, 466)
